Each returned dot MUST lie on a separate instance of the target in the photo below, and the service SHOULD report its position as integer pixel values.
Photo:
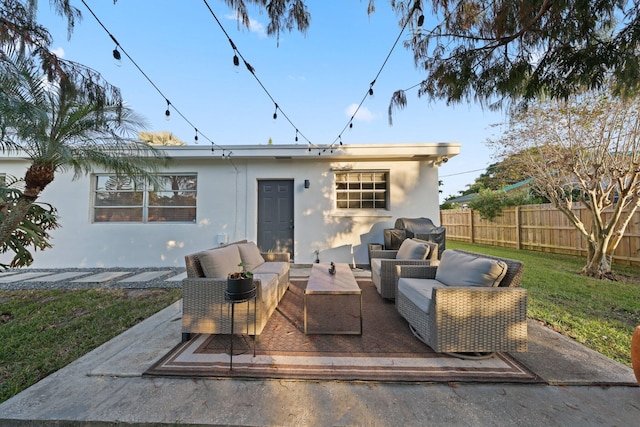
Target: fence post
(518, 239)
(471, 225)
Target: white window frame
(145, 188)
(357, 194)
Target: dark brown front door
(275, 216)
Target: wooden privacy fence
(537, 228)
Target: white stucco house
(327, 205)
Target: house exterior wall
(227, 201)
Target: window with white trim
(362, 190)
(171, 198)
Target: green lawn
(601, 315)
(43, 331)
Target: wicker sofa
(204, 309)
(469, 303)
(384, 262)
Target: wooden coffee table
(342, 286)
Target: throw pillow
(219, 262)
(250, 255)
(410, 249)
(459, 269)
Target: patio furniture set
(459, 303)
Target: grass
(601, 315)
(43, 331)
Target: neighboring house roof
(516, 185)
(463, 199)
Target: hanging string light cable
(236, 62)
(369, 91)
(170, 105)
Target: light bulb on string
(117, 57)
(195, 138)
(236, 64)
(340, 137)
(167, 113)
(275, 113)
(296, 135)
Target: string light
(236, 61)
(167, 112)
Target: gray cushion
(411, 249)
(275, 267)
(419, 291)
(250, 255)
(219, 262)
(458, 269)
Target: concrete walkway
(105, 387)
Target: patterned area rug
(386, 350)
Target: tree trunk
(598, 263)
(14, 217)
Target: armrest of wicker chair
(417, 271)
(383, 253)
(388, 273)
(478, 319)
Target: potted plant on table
(240, 284)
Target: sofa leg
(186, 336)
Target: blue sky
(316, 79)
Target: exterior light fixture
(307, 183)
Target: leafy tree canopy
(492, 51)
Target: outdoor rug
(386, 350)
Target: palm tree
(60, 127)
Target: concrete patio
(105, 387)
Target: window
(171, 199)
(362, 190)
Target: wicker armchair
(384, 263)
(465, 319)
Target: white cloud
(59, 52)
(254, 26)
(363, 114)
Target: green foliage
(489, 204)
(508, 50)
(43, 331)
(33, 231)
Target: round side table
(232, 300)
